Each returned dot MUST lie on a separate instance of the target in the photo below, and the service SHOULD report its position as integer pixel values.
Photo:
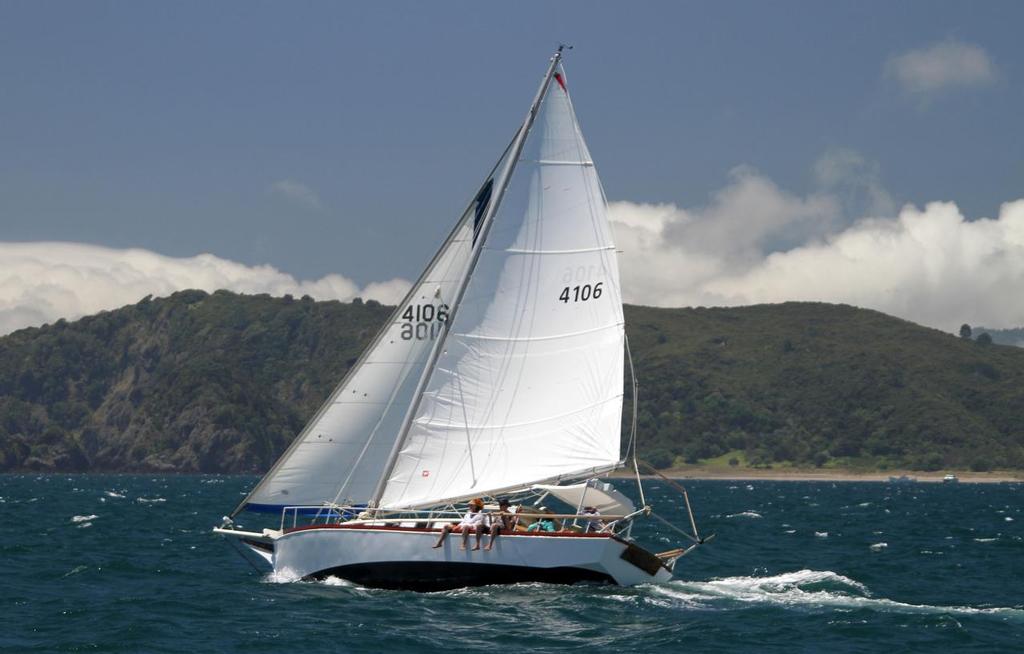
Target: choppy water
(127, 564)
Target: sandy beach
(832, 474)
(751, 474)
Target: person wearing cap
(475, 521)
(504, 522)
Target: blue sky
(344, 138)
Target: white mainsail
(527, 386)
(341, 454)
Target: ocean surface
(118, 563)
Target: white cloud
(942, 65)
(298, 193)
(41, 282)
(932, 266)
(855, 182)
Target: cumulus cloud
(755, 242)
(297, 193)
(942, 65)
(41, 282)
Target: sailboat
(500, 375)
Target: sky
(861, 152)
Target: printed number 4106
(580, 293)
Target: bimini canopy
(597, 494)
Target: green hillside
(223, 382)
(819, 384)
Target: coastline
(837, 475)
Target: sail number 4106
(580, 293)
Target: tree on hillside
(984, 339)
(965, 332)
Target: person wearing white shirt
(475, 521)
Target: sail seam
(428, 423)
(553, 162)
(579, 251)
(481, 337)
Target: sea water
(118, 563)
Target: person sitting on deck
(475, 521)
(593, 523)
(502, 523)
(545, 523)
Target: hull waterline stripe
(424, 576)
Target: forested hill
(223, 382)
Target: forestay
(341, 454)
(528, 384)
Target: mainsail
(527, 385)
(342, 452)
(503, 366)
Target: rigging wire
(632, 432)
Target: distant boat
(902, 479)
(499, 376)
(950, 479)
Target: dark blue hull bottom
(428, 577)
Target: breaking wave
(805, 589)
(745, 514)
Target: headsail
(528, 384)
(341, 453)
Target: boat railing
(336, 514)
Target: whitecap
(878, 547)
(791, 531)
(808, 589)
(749, 487)
(862, 504)
(985, 540)
(146, 500)
(113, 494)
(745, 514)
(1008, 519)
(83, 518)
(284, 576)
(85, 525)
(821, 534)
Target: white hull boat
(395, 557)
(499, 375)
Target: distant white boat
(950, 479)
(500, 374)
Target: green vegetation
(822, 385)
(223, 382)
(193, 382)
(1004, 336)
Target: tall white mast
(506, 176)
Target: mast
(488, 219)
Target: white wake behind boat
(501, 373)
